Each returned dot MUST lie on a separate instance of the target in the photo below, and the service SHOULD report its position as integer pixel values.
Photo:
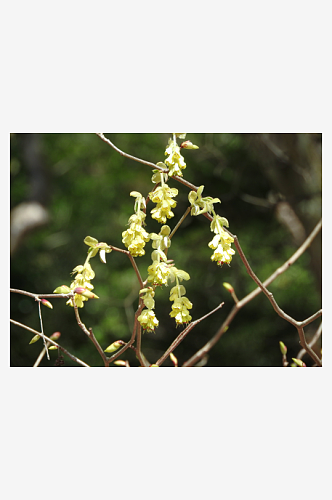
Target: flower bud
(34, 339)
(120, 362)
(188, 145)
(55, 336)
(80, 290)
(46, 303)
(154, 366)
(283, 348)
(113, 347)
(298, 362)
(52, 348)
(228, 287)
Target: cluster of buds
(135, 237)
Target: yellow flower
(201, 205)
(181, 304)
(159, 273)
(221, 243)
(162, 196)
(134, 239)
(96, 247)
(148, 320)
(174, 160)
(180, 310)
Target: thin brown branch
(138, 345)
(312, 342)
(44, 295)
(133, 335)
(133, 263)
(89, 333)
(180, 222)
(153, 165)
(307, 347)
(71, 356)
(183, 334)
(311, 319)
(41, 355)
(206, 348)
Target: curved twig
(183, 334)
(208, 346)
(71, 356)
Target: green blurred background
(65, 187)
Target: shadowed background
(67, 186)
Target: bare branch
(44, 295)
(133, 263)
(202, 352)
(312, 342)
(183, 334)
(71, 356)
(153, 165)
(89, 334)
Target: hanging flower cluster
(221, 243)
(162, 196)
(159, 271)
(81, 285)
(135, 237)
(175, 161)
(147, 318)
(181, 303)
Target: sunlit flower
(134, 239)
(180, 310)
(96, 247)
(158, 273)
(174, 160)
(148, 320)
(162, 196)
(221, 243)
(181, 303)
